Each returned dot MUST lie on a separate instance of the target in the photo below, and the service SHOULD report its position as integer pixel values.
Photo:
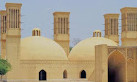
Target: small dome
(36, 32)
(41, 48)
(85, 50)
(97, 33)
(36, 28)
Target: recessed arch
(116, 67)
(115, 52)
(65, 74)
(83, 74)
(42, 75)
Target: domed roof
(41, 48)
(85, 50)
(36, 29)
(36, 32)
(97, 31)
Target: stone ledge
(50, 80)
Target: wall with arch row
(56, 70)
(43, 74)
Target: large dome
(85, 50)
(41, 48)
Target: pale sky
(85, 15)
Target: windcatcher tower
(129, 26)
(61, 29)
(111, 27)
(3, 33)
(13, 37)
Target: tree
(70, 48)
(4, 67)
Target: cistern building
(96, 59)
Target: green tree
(4, 67)
(70, 48)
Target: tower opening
(42, 75)
(83, 74)
(116, 68)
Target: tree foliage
(70, 48)
(4, 67)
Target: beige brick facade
(95, 59)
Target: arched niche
(83, 74)
(65, 74)
(42, 75)
(116, 67)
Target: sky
(85, 15)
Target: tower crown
(36, 32)
(2, 12)
(13, 5)
(61, 29)
(61, 13)
(13, 16)
(111, 26)
(128, 9)
(61, 22)
(97, 33)
(111, 15)
(3, 21)
(129, 26)
(3, 33)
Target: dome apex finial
(36, 32)
(97, 33)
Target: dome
(85, 50)
(36, 29)
(41, 48)
(97, 31)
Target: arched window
(95, 34)
(65, 74)
(83, 74)
(42, 75)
